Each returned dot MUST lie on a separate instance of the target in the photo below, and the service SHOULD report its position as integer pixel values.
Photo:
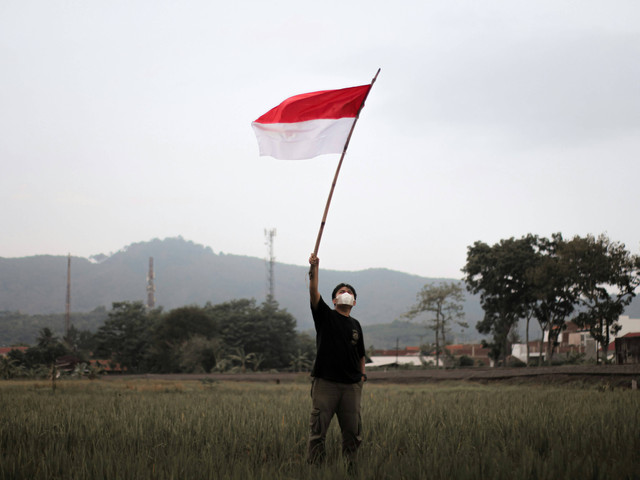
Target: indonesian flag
(311, 124)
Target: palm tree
(241, 357)
(8, 368)
(300, 362)
(255, 360)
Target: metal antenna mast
(269, 234)
(151, 288)
(67, 311)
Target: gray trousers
(343, 399)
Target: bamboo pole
(335, 177)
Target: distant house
(629, 328)
(67, 363)
(628, 325)
(474, 351)
(107, 367)
(4, 351)
(626, 348)
(571, 341)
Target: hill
(188, 273)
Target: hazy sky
(124, 121)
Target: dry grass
(160, 429)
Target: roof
(106, 366)
(468, 349)
(408, 351)
(5, 350)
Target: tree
(605, 278)
(306, 344)
(125, 337)
(198, 354)
(47, 349)
(554, 297)
(300, 362)
(82, 342)
(499, 273)
(444, 302)
(551, 279)
(9, 368)
(265, 330)
(241, 357)
(172, 336)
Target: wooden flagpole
(335, 177)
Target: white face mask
(345, 299)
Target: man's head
(341, 289)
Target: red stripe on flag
(326, 104)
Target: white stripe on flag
(302, 140)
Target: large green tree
(552, 286)
(605, 277)
(551, 279)
(500, 274)
(182, 336)
(44, 353)
(126, 335)
(265, 330)
(198, 354)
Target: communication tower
(151, 288)
(271, 260)
(67, 311)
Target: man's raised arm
(314, 294)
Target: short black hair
(339, 286)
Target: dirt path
(608, 375)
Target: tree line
(587, 280)
(238, 335)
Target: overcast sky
(124, 121)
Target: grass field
(151, 429)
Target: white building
(629, 325)
(390, 360)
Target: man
(338, 371)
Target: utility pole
(151, 288)
(67, 311)
(271, 260)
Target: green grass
(192, 430)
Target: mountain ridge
(189, 273)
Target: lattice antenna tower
(67, 310)
(271, 260)
(151, 288)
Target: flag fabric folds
(305, 126)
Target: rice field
(149, 429)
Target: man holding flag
(305, 126)
(338, 371)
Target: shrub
(465, 361)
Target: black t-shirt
(339, 344)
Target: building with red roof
(4, 351)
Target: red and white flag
(311, 124)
